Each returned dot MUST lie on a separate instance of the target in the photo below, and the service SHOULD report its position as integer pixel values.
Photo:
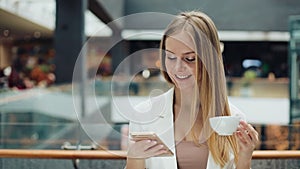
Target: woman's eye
(190, 59)
(171, 57)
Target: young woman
(191, 61)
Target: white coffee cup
(224, 125)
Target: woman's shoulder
(152, 108)
(157, 100)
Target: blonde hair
(211, 79)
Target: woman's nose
(179, 64)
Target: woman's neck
(184, 100)
(184, 96)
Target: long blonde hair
(211, 79)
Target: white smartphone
(138, 136)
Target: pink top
(191, 156)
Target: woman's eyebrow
(185, 53)
(191, 52)
(169, 51)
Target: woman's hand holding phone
(144, 149)
(145, 145)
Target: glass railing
(51, 118)
(46, 127)
(62, 136)
(70, 136)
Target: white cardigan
(162, 124)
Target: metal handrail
(63, 154)
(121, 155)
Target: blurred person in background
(42, 73)
(17, 78)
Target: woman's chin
(185, 86)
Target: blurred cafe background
(71, 69)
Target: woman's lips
(182, 76)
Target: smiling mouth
(182, 76)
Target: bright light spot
(7, 71)
(146, 74)
(247, 63)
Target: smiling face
(180, 61)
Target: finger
(159, 149)
(250, 131)
(243, 144)
(247, 126)
(148, 144)
(130, 142)
(156, 150)
(244, 134)
(142, 149)
(162, 151)
(246, 140)
(241, 138)
(144, 144)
